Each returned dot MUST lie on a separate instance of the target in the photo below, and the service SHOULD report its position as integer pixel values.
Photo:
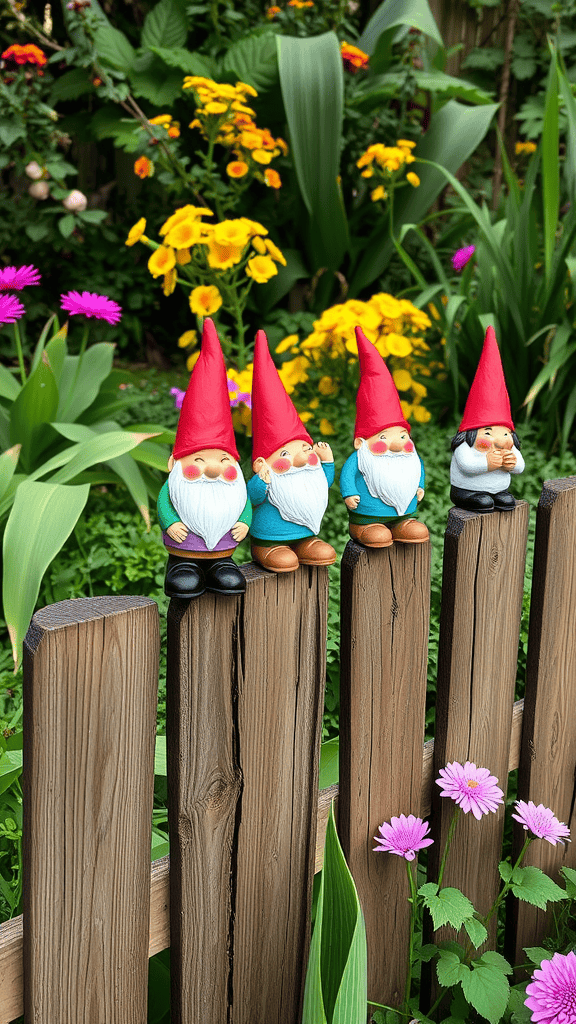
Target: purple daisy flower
(178, 397)
(91, 305)
(472, 788)
(461, 257)
(552, 991)
(11, 309)
(541, 822)
(13, 279)
(403, 836)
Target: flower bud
(76, 202)
(39, 190)
(34, 171)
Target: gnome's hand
(324, 451)
(494, 459)
(352, 502)
(178, 532)
(419, 494)
(239, 531)
(264, 473)
(509, 460)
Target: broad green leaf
(450, 906)
(382, 87)
(40, 345)
(536, 953)
(100, 448)
(496, 960)
(81, 378)
(66, 225)
(487, 989)
(570, 879)
(158, 85)
(570, 111)
(311, 79)
(34, 407)
(329, 761)
(189, 62)
(165, 25)
(505, 870)
(114, 48)
(107, 122)
(11, 129)
(37, 232)
(550, 168)
(57, 350)
(533, 886)
(70, 85)
(269, 294)
(10, 768)
(254, 60)
(160, 845)
(162, 435)
(8, 463)
(150, 454)
(160, 764)
(42, 518)
(9, 386)
(92, 216)
(454, 134)
(450, 969)
(392, 13)
(476, 931)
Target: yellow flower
(272, 178)
(405, 144)
(183, 257)
(259, 246)
(398, 345)
(402, 379)
(160, 119)
(161, 261)
(327, 386)
(187, 339)
(525, 148)
(419, 389)
(223, 256)
(248, 90)
(174, 131)
(305, 416)
(314, 403)
(205, 300)
(192, 360)
(413, 179)
(274, 252)
(325, 427)
(261, 269)
(261, 156)
(237, 169)
(169, 281)
(233, 232)
(407, 409)
(184, 234)
(143, 167)
(378, 193)
(421, 415)
(136, 232)
(287, 343)
(215, 107)
(184, 213)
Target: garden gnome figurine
(486, 450)
(289, 491)
(203, 507)
(383, 480)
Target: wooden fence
(245, 689)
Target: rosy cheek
(483, 444)
(191, 472)
(230, 474)
(281, 465)
(312, 459)
(409, 446)
(378, 447)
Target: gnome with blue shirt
(383, 480)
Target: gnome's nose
(300, 459)
(212, 471)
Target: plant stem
(507, 885)
(413, 911)
(18, 342)
(449, 839)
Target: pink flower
(91, 305)
(11, 309)
(178, 397)
(472, 788)
(13, 279)
(542, 822)
(461, 257)
(552, 991)
(404, 836)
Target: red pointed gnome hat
(205, 417)
(488, 403)
(377, 402)
(274, 419)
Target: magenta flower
(461, 257)
(404, 836)
(11, 309)
(178, 397)
(13, 279)
(472, 788)
(541, 822)
(552, 991)
(91, 305)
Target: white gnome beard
(209, 508)
(300, 495)
(393, 477)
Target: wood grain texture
(384, 640)
(90, 692)
(548, 752)
(478, 649)
(245, 700)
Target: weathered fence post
(548, 749)
(90, 690)
(482, 591)
(384, 643)
(245, 701)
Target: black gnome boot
(224, 577)
(184, 578)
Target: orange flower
(28, 54)
(272, 178)
(272, 12)
(237, 169)
(143, 167)
(354, 59)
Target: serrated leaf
(426, 952)
(254, 59)
(157, 85)
(505, 870)
(523, 67)
(496, 960)
(476, 931)
(537, 954)
(533, 886)
(11, 129)
(165, 25)
(487, 989)
(114, 48)
(428, 889)
(569, 873)
(450, 906)
(485, 58)
(186, 60)
(450, 969)
(383, 86)
(70, 85)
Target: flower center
(471, 783)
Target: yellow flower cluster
(525, 148)
(382, 162)
(165, 121)
(223, 116)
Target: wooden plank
(548, 754)
(11, 991)
(478, 649)
(384, 639)
(245, 678)
(90, 692)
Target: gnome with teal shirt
(203, 507)
(383, 480)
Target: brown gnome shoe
(373, 535)
(410, 532)
(279, 558)
(313, 551)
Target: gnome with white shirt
(486, 449)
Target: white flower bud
(34, 171)
(76, 202)
(39, 190)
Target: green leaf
(8, 463)
(34, 407)
(487, 989)
(160, 763)
(570, 111)
(114, 48)
(107, 123)
(476, 931)
(37, 232)
(329, 760)
(484, 58)
(93, 216)
(505, 870)
(80, 380)
(66, 225)
(496, 960)
(81, 456)
(10, 768)
(156, 85)
(537, 954)
(57, 350)
(189, 62)
(450, 969)
(42, 518)
(40, 344)
(533, 886)
(384, 86)
(311, 78)
(9, 386)
(390, 14)
(254, 60)
(550, 168)
(70, 85)
(160, 845)
(570, 879)
(10, 130)
(269, 295)
(165, 25)
(450, 906)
